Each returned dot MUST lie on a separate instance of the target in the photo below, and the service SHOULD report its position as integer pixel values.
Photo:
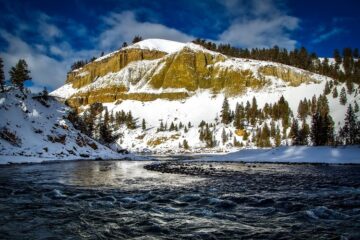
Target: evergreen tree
(294, 132)
(277, 137)
(224, 136)
(19, 74)
(104, 129)
(337, 57)
(136, 39)
(356, 108)
(2, 75)
(185, 144)
(313, 104)
(225, 112)
(327, 89)
(322, 129)
(350, 132)
(335, 92)
(304, 134)
(253, 111)
(124, 45)
(343, 98)
(143, 124)
(272, 129)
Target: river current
(179, 200)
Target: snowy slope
(296, 154)
(202, 104)
(41, 132)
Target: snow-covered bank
(35, 129)
(294, 154)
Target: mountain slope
(182, 83)
(35, 128)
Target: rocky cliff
(143, 74)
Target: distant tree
(337, 57)
(335, 93)
(2, 75)
(143, 124)
(185, 144)
(322, 129)
(356, 108)
(294, 132)
(225, 112)
(19, 74)
(350, 132)
(277, 137)
(104, 129)
(327, 89)
(224, 136)
(137, 38)
(343, 98)
(124, 45)
(304, 134)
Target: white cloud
(124, 26)
(259, 24)
(322, 36)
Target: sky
(51, 35)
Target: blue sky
(51, 35)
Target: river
(179, 200)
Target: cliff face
(148, 74)
(114, 63)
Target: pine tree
(172, 127)
(343, 98)
(224, 136)
(225, 112)
(277, 137)
(335, 93)
(350, 132)
(143, 124)
(356, 108)
(304, 134)
(19, 74)
(294, 132)
(185, 144)
(253, 111)
(136, 39)
(313, 104)
(185, 129)
(104, 129)
(327, 89)
(272, 129)
(2, 75)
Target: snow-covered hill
(36, 129)
(188, 83)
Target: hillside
(165, 82)
(36, 128)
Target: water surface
(122, 200)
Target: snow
(33, 123)
(64, 92)
(201, 104)
(162, 45)
(294, 154)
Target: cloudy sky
(51, 35)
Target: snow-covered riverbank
(294, 154)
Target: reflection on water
(122, 200)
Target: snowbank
(294, 154)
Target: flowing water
(177, 200)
